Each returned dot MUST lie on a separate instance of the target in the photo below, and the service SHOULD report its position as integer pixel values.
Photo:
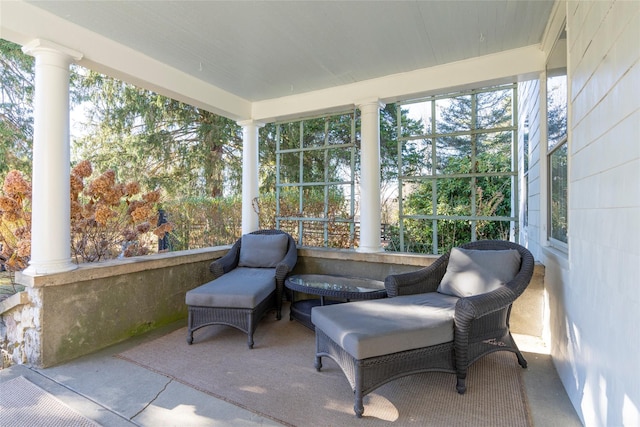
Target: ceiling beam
(508, 66)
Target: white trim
(504, 67)
(557, 23)
(543, 163)
(22, 22)
(554, 26)
(40, 45)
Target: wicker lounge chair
(420, 327)
(248, 281)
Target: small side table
(338, 288)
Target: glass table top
(336, 283)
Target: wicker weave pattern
(244, 319)
(481, 326)
(230, 261)
(366, 375)
(485, 318)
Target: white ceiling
(267, 49)
(271, 60)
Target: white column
(250, 178)
(50, 217)
(370, 216)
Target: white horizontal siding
(598, 301)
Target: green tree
(300, 144)
(339, 132)
(16, 108)
(159, 141)
(461, 150)
(194, 155)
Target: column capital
(37, 46)
(363, 103)
(250, 122)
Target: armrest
(226, 263)
(471, 308)
(416, 282)
(287, 265)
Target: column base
(51, 267)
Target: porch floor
(114, 392)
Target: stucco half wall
(68, 315)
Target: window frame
(434, 177)
(325, 220)
(526, 161)
(556, 66)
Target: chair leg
(250, 333)
(358, 406)
(461, 385)
(521, 360)
(318, 363)
(190, 331)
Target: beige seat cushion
(376, 327)
(239, 288)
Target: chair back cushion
(473, 272)
(262, 250)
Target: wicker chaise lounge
(440, 318)
(247, 282)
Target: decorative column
(250, 179)
(370, 216)
(51, 206)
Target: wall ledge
(20, 298)
(122, 266)
(418, 260)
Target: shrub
(15, 222)
(108, 219)
(201, 222)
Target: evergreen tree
(463, 151)
(187, 151)
(16, 108)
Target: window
(557, 218)
(315, 180)
(525, 174)
(457, 172)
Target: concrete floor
(116, 393)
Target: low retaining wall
(62, 316)
(75, 313)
